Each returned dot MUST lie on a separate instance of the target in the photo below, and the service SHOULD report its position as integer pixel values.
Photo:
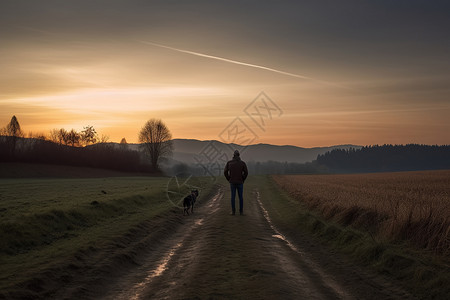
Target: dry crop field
(402, 206)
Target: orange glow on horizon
(198, 73)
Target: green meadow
(66, 225)
(46, 223)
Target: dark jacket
(236, 170)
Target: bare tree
(54, 136)
(41, 136)
(63, 136)
(104, 139)
(73, 138)
(89, 135)
(156, 141)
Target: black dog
(189, 201)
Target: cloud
(232, 61)
(229, 60)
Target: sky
(304, 73)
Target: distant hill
(185, 151)
(205, 157)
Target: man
(236, 172)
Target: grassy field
(62, 225)
(374, 218)
(46, 223)
(405, 206)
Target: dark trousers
(240, 188)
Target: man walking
(236, 172)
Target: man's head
(236, 153)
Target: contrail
(237, 62)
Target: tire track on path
(160, 261)
(305, 267)
(215, 255)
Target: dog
(189, 201)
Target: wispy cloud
(240, 63)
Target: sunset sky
(341, 72)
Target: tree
(63, 136)
(73, 137)
(89, 135)
(104, 139)
(54, 136)
(156, 141)
(123, 144)
(13, 130)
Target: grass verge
(55, 230)
(422, 273)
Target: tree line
(87, 136)
(387, 158)
(86, 148)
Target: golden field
(412, 207)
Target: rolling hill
(185, 150)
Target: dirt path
(215, 255)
